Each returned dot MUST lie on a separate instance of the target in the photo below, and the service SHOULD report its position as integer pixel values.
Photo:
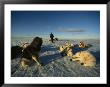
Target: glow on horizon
(63, 24)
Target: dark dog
(56, 39)
(16, 51)
(31, 52)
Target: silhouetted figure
(51, 37)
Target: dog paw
(24, 67)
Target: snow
(54, 64)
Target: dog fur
(66, 49)
(85, 58)
(82, 45)
(24, 45)
(69, 52)
(16, 51)
(62, 48)
(31, 52)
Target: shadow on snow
(50, 56)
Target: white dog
(85, 58)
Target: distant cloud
(71, 30)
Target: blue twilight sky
(63, 24)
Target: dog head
(82, 45)
(37, 42)
(61, 48)
(77, 55)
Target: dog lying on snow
(66, 49)
(31, 52)
(85, 58)
(82, 45)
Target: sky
(63, 24)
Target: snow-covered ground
(54, 64)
